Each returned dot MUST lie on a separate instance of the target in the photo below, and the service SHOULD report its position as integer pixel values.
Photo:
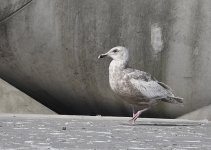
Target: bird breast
(117, 83)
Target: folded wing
(147, 85)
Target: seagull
(136, 87)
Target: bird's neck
(117, 65)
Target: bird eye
(115, 50)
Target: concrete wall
(49, 49)
(13, 100)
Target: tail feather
(172, 99)
(177, 99)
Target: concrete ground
(81, 132)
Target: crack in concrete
(15, 12)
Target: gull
(136, 87)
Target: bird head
(118, 53)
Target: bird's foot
(135, 116)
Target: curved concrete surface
(203, 113)
(14, 101)
(49, 50)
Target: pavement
(50, 132)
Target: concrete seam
(13, 13)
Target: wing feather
(147, 85)
(150, 89)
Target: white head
(118, 53)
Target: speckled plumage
(135, 86)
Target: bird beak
(102, 56)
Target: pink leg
(135, 116)
(133, 111)
(133, 108)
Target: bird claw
(135, 116)
(132, 121)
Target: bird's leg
(133, 110)
(138, 114)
